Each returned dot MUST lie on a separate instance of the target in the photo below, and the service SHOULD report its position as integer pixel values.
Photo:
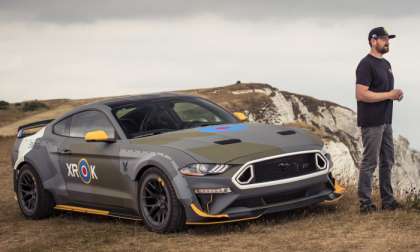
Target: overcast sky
(75, 49)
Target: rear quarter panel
(39, 151)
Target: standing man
(375, 94)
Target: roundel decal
(223, 128)
(84, 171)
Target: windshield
(151, 118)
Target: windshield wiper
(153, 132)
(206, 124)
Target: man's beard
(383, 49)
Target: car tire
(34, 201)
(159, 206)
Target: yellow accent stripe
(221, 222)
(126, 218)
(81, 209)
(338, 189)
(203, 214)
(331, 202)
(160, 180)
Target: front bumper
(248, 204)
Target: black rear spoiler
(21, 130)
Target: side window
(84, 122)
(160, 119)
(62, 128)
(132, 117)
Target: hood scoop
(228, 141)
(286, 132)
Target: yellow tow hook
(338, 188)
(338, 193)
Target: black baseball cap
(379, 32)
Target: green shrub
(4, 105)
(33, 105)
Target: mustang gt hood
(235, 143)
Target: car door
(92, 169)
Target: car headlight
(203, 169)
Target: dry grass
(315, 229)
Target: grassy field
(339, 228)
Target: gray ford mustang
(169, 159)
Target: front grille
(284, 167)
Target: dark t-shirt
(377, 75)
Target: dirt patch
(338, 228)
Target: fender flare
(179, 184)
(17, 169)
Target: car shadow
(213, 229)
(271, 219)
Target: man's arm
(365, 95)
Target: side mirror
(99, 136)
(240, 116)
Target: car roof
(121, 101)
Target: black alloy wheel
(155, 200)
(27, 192)
(159, 206)
(34, 201)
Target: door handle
(64, 151)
